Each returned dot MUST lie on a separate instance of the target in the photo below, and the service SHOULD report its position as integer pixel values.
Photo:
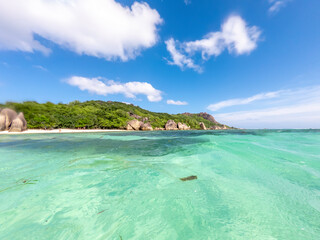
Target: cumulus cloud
(172, 102)
(178, 58)
(235, 36)
(242, 101)
(105, 87)
(293, 108)
(99, 28)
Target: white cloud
(172, 102)
(293, 108)
(276, 5)
(235, 36)
(99, 28)
(187, 2)
(178, 58)
(242, 101)
(104, 87)
(40, 68)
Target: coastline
(40, 131)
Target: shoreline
(40, 131)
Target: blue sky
(249, 63)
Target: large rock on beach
(128, 127)
(6, 117)
(217, 127)
(202, 126)
(146, 127)
(183, 126)
(171, 125)
(19, 124)
(134, 124)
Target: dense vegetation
(94, 114)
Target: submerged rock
(19, 124)
(171, 125)
(6, 117)
(193, 177)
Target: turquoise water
(251, 185)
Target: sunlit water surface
(126, 185)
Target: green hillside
(95, 114)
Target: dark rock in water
(101, 212)
(189, 178)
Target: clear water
(119, 185)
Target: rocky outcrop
(183, 126)
(146, 127)
(207, 116)
(145, 119)
(6, 118)
(204, 115)
(134, 115)
(202, 126)
(171, 125)
(19, 124)
(134, 125)
(217, 127)
(159, 129)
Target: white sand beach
(36, 131)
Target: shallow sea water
(252, 184)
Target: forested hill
(99, 114)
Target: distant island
(102, 115)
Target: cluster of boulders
(146, 126)
(11, 121)
(217, 127)
(142, 123)
(138, 125)
(172, 125)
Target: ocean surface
(251, 184)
